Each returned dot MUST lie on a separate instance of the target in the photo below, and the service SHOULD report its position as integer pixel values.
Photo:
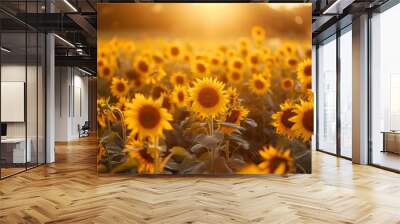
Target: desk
(391, 141)
(16, 147)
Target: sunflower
(251, 169)
(304, 120)
(216, 59)
(254, 59)
(143, 65)
(200, 68)
(134, 78)
(145, 159)
(180, 96)
(167, 102)
(106, 71)
(258, 33)
(266, 73)
(259, 85)
(157, 91)
(290, 49)
(146, 117)
(291, 62)
(101, 153)
(121, 104)
(157, 58)
(235, 76)
(178, 79)
(187, 57)
(276, 161)
(119, 87)
(304, 71)
(208, 97)
(236, 64)
(235, 116)
(281, 119)
(232, 95)
(244, 43)
(307, 85)
(156, 76)
(174, 51)
(287, 84)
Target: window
(385, 89)
(327, 96)
(346, 93)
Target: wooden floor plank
(69, 191)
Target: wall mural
(204, 88)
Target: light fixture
(70, 5)
(84, 71)
(65, 41)
(5, 50)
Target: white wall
(71, 94)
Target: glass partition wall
(385, 89)
(334, 94)
(22, 98)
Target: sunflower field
(169, 106)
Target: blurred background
(205, 20)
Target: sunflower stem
(157, 155)
(212, 153)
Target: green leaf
(232, 125)
(250, 122)
(196, 148)
(209, 142)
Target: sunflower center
(138, 82)
(307, 70)
(174, 51)
(214, 61)
(233, 117)
(308, 85)
(237, 65)
(146, 156)
(132, 75)
(100, 63)
(106, 71)
(208, 97)
(286, 115)
(308, 120)
(120, 87)
(181, 96)
(157, 59)
(259, 84)
(235, 76)
(201, 68)
(157, 91)
(254, 59)
(149, 116)
(292, 62)
(143, 66)
(276, 161)
(287, 84)
(179, 80)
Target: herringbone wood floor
(70, 191)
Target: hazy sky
(205, 20)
